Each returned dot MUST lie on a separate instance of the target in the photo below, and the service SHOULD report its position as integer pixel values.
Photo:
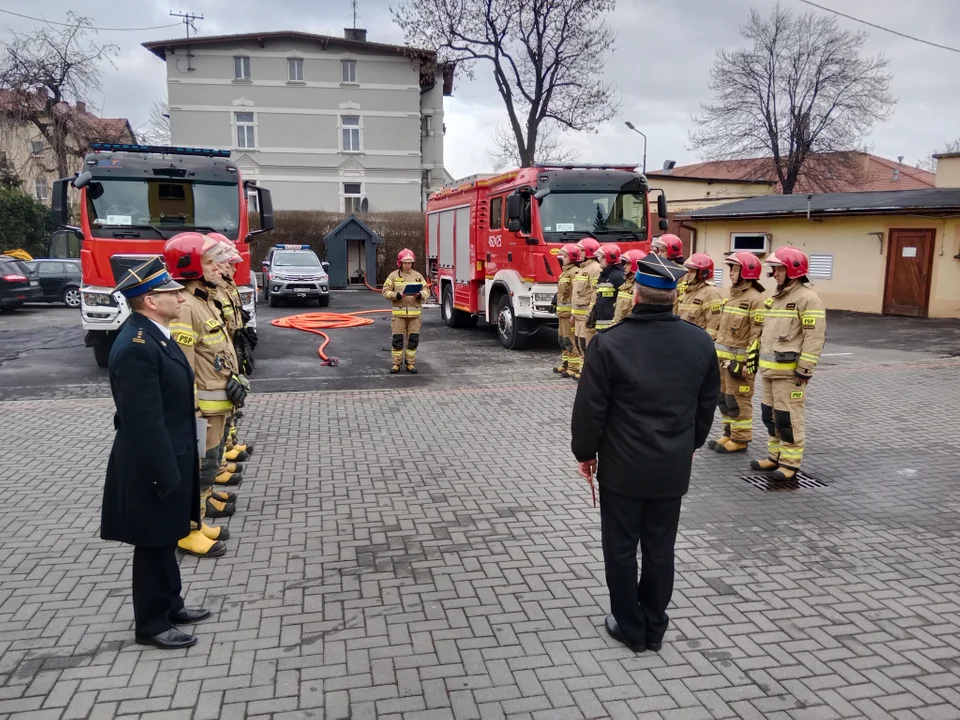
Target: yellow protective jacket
(794, 330)
(408, 305)
(228, 297)
(624, 298)
(202, 335)
(741, 322)
(565, 289)
(701, 305)
(585, 288)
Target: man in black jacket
(153, 475)
(645, 403)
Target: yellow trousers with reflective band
(567, 340)
(406, 338)
(782, 409)
(736, 406)
(210, 463)
(583, 337)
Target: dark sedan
(18, 284)
(59, 280)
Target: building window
(821, 266)
(246, 131)
(496, 213)
(351, 198)
(295, 69)
(241, 68)
(348, 71)
(350, 132)
(253, 201)
(758, 243)
(42, 189)
(36, 147)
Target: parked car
(18, 284)
(59, 280)
(294, 272)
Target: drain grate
(802, 481)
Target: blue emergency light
(159, 149)
(290, 247)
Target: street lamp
(630, 125)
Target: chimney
(357, 34)
(81, 106)
(948, 170)
(900, 159)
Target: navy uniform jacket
(645, 402)
(153, 475)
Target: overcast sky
(660, 65)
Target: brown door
(909, 268)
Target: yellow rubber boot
(223, 496)
(196, 543)
(730, 446)
(712, 444)
(228, 478)
(784, 474)
(218, 509)
(215, 532)
(562, 367)
(231, 467)
(234, 455)
(765, 465)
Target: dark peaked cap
(151, 276)
(653, 271)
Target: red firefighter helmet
(792, 259)
(671, 244)
(230, 253)
(702, 263)
(633, 257)
(576, 253)
(610, 253)
(750, 265)
(182, 255)
(567, 250)
(405, 255)
(589, 246)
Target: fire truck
(492, 242)
(133, 198)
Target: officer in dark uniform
(153, 475)
(645, 402)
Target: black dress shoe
(186, 616)
(654, 646)
(171, 639)
(613, 630)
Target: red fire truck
(492, 241)
(133, 198)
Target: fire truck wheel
(451, 316)
(508, 328)
(101, 349)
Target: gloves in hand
(753, 357)
(399, 296)
(237, 388)
(802, 379)
(735, 368)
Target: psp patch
(796, 394)
(184, 339)
(808, 322)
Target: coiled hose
(317, 322)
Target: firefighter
(406, 310)
(794, 329)
(630, 261)
(670, 246)
(609, 283)
(741, 322)
(192, 258)
(702, 302)
(584, 296)
(576, 257)
(564, 291)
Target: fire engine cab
(492, 242)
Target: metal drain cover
(800, 482)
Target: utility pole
(187, 19)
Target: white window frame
(245, 69)
(351, 196)
(237, 124)
(342, 126)
(294, 67)
(348, 72)
(766, 243)
(253, 201)
(41, 184)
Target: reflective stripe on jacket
(794, 330)
(702, 305)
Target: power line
(105, 29)
(880, 27)
(187, 19)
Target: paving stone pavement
(432, 555)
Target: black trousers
(640, 607)
(156, 588)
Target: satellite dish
(364, 205)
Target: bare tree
(550, 148)
(42, 71)
(803, 89)
(547, 57)
(157, 131)
(929, 163)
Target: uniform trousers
(782, 410)
(736, 406)
(583, 336)
(640, 607)
(210, 463)
(566, 337)
(156, 588)
(406, 338)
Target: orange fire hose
(317, 322)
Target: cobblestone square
(427, 552)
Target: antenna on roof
(187, 19)
(354, 4)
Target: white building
(325, 123)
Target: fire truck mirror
(664, 224)
(82, 179)
(513, 226)
(662, 205)
(513, 208)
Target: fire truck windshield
(116, 205)
(595, 212)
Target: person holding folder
(406, 289)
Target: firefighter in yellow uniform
(702, 302)
(670, 247)
(609, 283)
(406, 310)
(740, 325)
(200, 331)
(568, 269)
(583, 297)
(624, 306)
(794, 330)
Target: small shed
(351, 250)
